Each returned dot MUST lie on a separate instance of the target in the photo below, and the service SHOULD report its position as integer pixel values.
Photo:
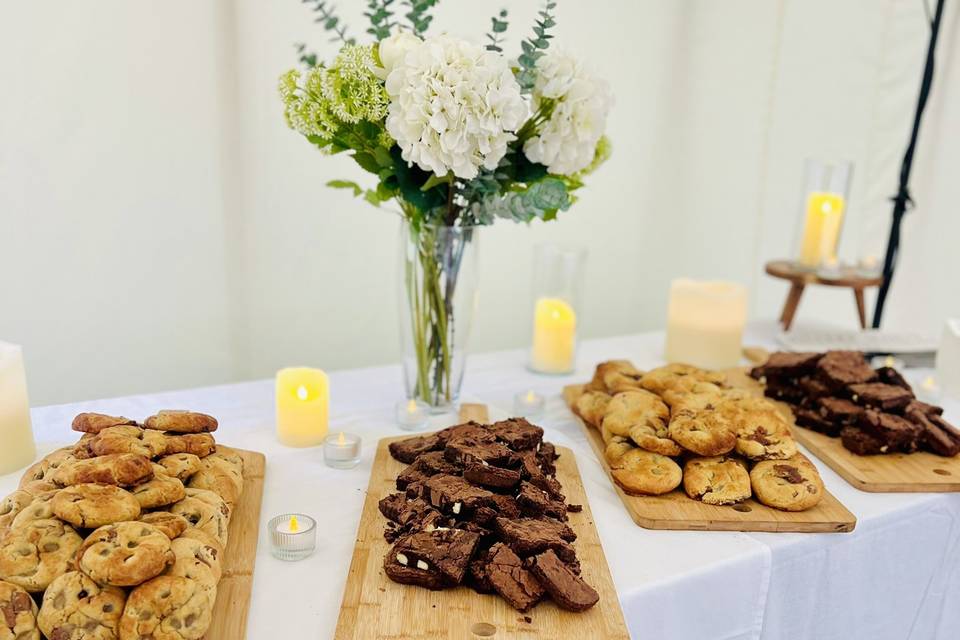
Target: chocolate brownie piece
(862, 443)
(840, 369)
(546, 456)
(813, 420)
(453, 494)
(408, 449)
(486, 475)
(514, 583)
(878, 395)
(434, 462)
(477, 578)
(469, 430)
(565, 587)
(939, 436)
(411, 515)
(409, 475)
(464, 451)
(530, 465)
(889, 375)
(897, 432)
(785, 391)
(534, 501)
(528, 536)
(517, 433)
(551, 485)
(505, 506)
(840, 410)
(404, 574)
(446, 550)
(786, 364)
(924, 408)
(813, 387)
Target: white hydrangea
(567, 141)
(391, 51)
(453, 106)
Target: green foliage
(418, 16)
(307, 58)
(497, 28)
(330, 20)
(535, 47)
(346, 184)
(380, 16)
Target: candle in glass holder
(303, 405)
(890, 361)
(948, 359)
(412, 414)
(705, 323)
(528, 404)
(293, 536)
(929, 391)
(342, 451)
(18, 448)
(554, 336)
(821, 231)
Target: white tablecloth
(896, 576)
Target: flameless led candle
(303, 405)
(528, 404)
(342, 451)
(293, 536)
(705, 323)
(554, 336)
(821, 230)
(16, 434)
(412, 414)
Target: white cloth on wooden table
(896, 576)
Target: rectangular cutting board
(233, 592)
(677, 511)
(376, 607)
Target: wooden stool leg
(861, 307)
(790, 306)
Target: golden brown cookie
(791, 485)
(640, 472)
(125, 554)
(181, 422)
(596, 383)
(205, 510)
(88, 506)
(180, 465)
(642, 417)
(37, 487)
(171, 524)
(47, 466)
(764, 435)
(18, 614)
(40, 508)
(11, 506)
(699, 427)
(686, 387)
(33, 555)
(167, 608)
(145, 442)
(197, 560)
(616, 448)
(667, 377)
(123, 469)
(77, 608)
(619, 375)
(221, 477)
(591, 405)
(718, 480)
(198, 444)
(159, 491)
(231, 455)
(97, 422)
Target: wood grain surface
(233, 592)
(677, 511)
(375, 607)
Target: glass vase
(437, 302)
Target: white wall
(170, 231)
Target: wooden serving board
(675, 510)
(376, 607)
(233, 592)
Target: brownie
(453, 494)
(411, 474)
(528, 536)
(786, 364)
(939, 436)
(812, 419)
(445, 550)
(514, 583)
(862, 443)
(551, 485)
(889, 375)
(813, 387)
(897, 432)
(840, 411)
(924, 408)
(469, 430)
(565, 587)
(408, 449)
(433, 463)
(517, 433)
(878, 395)
(411, 515)
(404, 574)
(486, 475)
(840, 369)
(534, 501)
(506, 506)
(546, 456)
(464, 451)
(786, 391)
(530, 465)
(477, 578)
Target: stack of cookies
(873, 411)
(680, 424)
(120, 536)
(480, 505)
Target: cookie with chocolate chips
(77, 608)
(791, 485)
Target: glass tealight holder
(293, 536)
(341, 450)
(823, 207)
(557, 281)
(528, 404)
(412, 415)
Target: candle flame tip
(341, 438)
(294, 525)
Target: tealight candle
(342, 451)
(528, 404)
(831, 268)
(18, 448)
(412, 414)
(887, 361)
(303, 405)
(869, 266)
(929, 391)
(293, 536)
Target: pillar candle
(16, 435)
(948, 359)
(705, 323)
(554, 336)
(821, 230)
(303, 405)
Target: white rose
(392, 51)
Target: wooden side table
(799, 279)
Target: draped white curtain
(160, 227)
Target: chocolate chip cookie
(77, 608)
(18, 614)
(170, 524)
(159, 491)
(11, 506)
(181, 422)
(88, 506)
(642, 417)
(591, 405)
(198, 444)
(97, 422)
(667, 377)
(180, 465)
(47, 466)
(40, 508)
(220, 476)
(640, 472)
(125, 554)
(205, 510)
(718, 480)
(123, 469)
(791, 485)
(33, 555)
(145, 442)
(700, 428)
(166, 608)
(619, 375)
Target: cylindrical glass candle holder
(293, 536)
(557, 283)
(18, 448)
(823, 206)
(705, 323)
(342, 450)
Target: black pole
(902, 202)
